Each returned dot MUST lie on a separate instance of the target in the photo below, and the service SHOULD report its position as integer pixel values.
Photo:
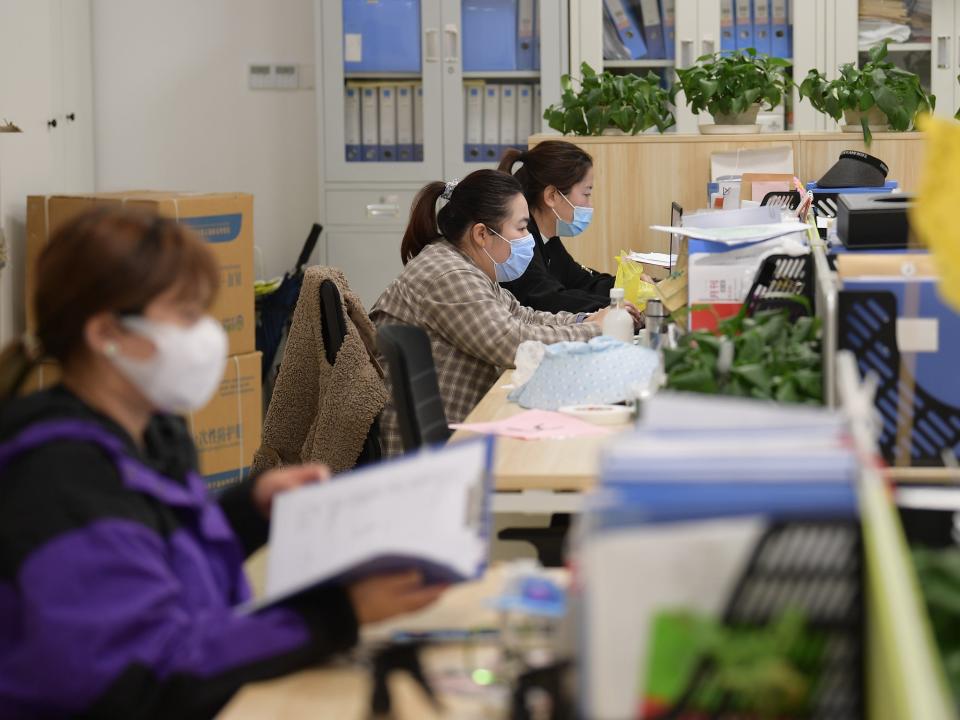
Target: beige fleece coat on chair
(321, 412)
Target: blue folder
(489, 35)
(650, 17)
(628, 27)
(728, 26)
(526, 44)
(761, 28)
(745, 26)
(389, 35)
(668, 14)
(780, 40)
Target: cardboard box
(224, 220)
(226, 432)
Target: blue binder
(780, 45)
(728, 26)
(652, 28)
(668, 13)
(744, 24)
(628, 27)
(526, 23)
(761, 26)
(381, 36)
(489, 35)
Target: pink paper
(536, 425)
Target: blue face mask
(581, 220)
(521, 253)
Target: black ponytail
(481, 197)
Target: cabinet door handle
(431, 40)
(707, 46)
(52, 123)
(71, 117)
(383, 209)
(686, 53)
(452, 34)
(943, 51)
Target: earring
(110, 349)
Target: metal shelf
(908, 47)
(382, 76)
(627, 64)
(502, 75)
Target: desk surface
(569, 464)
(344, 692)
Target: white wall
(173, 111)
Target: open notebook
(429, 511)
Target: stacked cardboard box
(226, 431)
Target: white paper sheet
(429, 511)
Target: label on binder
(353, 47)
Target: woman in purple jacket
(119, 577)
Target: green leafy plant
(628, 103)
(764, 356)
(732, 83)
(897, 93)
(701, 666)
(939, 574)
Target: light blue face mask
(581, 220)
(521, 253)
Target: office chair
(333, 329)
(413, 377)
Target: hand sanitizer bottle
(618, 323)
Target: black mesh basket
(868, 327)
(778, 283)
(815, 567)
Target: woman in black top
(557, 180)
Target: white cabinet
(46, 89)
(932, 49)
(440, 49)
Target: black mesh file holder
(815, 567)
(778, 283)
(867, 326)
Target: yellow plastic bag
(636, 290)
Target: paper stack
(687, 507)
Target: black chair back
(416, 393)
(333, 328)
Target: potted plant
(879, 96)
(732, 87)
(605, 102)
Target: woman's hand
(382, 596)
(272, 482)
(635, 314)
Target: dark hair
(481, 197)
(552, 162)
(108, 259)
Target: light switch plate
(260, 76)
(286, 76)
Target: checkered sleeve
(529, 315)
(475, 316)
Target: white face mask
(186, 368)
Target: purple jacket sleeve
(115, 631)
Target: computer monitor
(676, 220)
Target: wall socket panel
(280, 76)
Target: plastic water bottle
(618, 323)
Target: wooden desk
(344, 691)
(541, 476)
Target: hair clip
(448, 190)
